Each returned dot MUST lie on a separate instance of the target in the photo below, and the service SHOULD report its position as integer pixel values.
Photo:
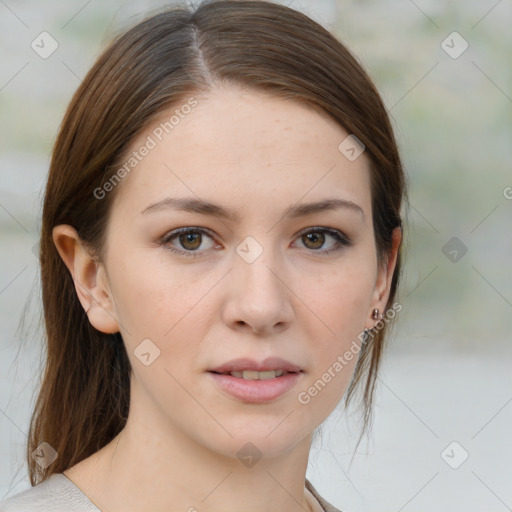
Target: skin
(257, 154)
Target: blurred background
(443, 407)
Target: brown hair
(84, 399)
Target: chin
(269, 437)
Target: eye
(191, 238)
(314, 239)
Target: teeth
(254, 375)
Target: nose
(259, 298)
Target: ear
(89, 276)
(384, 278)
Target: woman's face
(251, 285)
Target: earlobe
(91, 283)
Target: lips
(251, 381)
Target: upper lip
(271, 363)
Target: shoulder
(56, 494)
(327, 507)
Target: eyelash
(341, 240)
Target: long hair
(84, 398)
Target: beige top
(59, 494)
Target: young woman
(220, 252)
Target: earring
(375, 314)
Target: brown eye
(190, 241)
(316, 240)
(187, 241)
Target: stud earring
(375, 314)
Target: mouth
(250, 381)
(256, 375)
(252, 369)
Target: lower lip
(255, 391)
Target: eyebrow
(191, 204)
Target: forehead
(243, 146)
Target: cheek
(340, 300)
(341, 305)
(341, 295)
(160, 301)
